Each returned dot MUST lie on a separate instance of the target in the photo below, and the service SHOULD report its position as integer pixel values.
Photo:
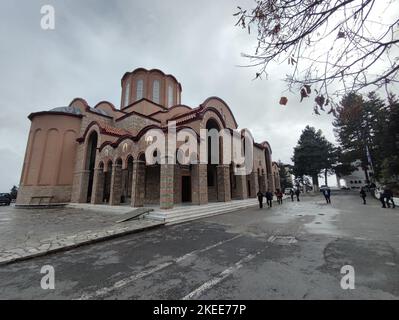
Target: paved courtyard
(293, 251)
(27, 232)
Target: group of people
(386, 198)
(269, 198)
(279, 194)
(295, 193)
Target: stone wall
(135, 123)
(152, 185)
(58, 194)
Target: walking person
(260, 199)
(389, 198)
(292, 193)
(363, 195)
(269, 198)
(327, 195)
(279, 196)
(382, 198)
(297, 193)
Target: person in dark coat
(269, 198)
(260, 199)
(327, 194)
(297, 193)
(363, 195)
(292, 193)
(389, 198)
(279, 196)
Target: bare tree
(332, 46)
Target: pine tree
(312, 154)
(356, 124)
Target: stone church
(84, 154)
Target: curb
(80, 244)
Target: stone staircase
(102, 208)
(192, 212)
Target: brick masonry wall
(152, 193)
(223, 180)
(167, 186)
(135, 123)
(60, 194)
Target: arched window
(140, 90)
(127, 95)
(155, 91)
(170, 96)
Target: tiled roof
(113, 131)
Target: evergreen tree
(356, 124)
(284, 172)
(312, 154)
(388, 142)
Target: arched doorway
(233, 182)
(91, 162)
(107, 182)
(213, 152)
(152, 178)
(127, 177)
(183, 178)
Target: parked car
(5, 198)
(345, 188)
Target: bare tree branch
(337, 44)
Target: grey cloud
(97, 41)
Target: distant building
(276, 175)
(356, 179)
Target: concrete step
(102, 208)
(180, 219)
(216, 205)
(188, 213)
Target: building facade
(84, 154)
(356, 180)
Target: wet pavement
(31, 232)
(292, 251)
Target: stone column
(98, 186)
(223, 180)
(177, 185)
(242, 192)
(81, 184)
(263, 183)
(199, 184)
(116, 185)
(138, 184)
(271, 186)
(124, 194)
(167, 186)
(254, 184)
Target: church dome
(154, 85)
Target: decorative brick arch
(223, 109)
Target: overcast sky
(96, 41)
